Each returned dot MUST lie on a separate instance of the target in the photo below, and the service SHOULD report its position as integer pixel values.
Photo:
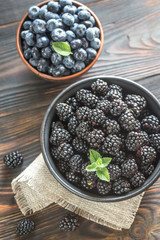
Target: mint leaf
(106, 161)
(103, 174)
(62, 48)
(99, 162)
(91, 168)
(94, 155)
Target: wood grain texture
(131, 49)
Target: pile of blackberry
(116, 124)
(60, 21)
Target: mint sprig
(62, 48)
(98, 165)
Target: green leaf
(62, 48)
(94, 155)
(103, 174)
(91, 168)
(106, 161)
(99, 162)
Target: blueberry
(42, 65)
(96, 43)
(73, 28)
(84, 15)
(42, 42)
(52, 24)
(70, 9)
(79, 66)
(58, 70)
(33, 62)
(42, 12)
(46, 52)
(58, 35)
(39, 26)
(76, 19)
(27, 25)
(24, 45)
(60, 24)
(24, 33)
(92, 53)
(33, 12)
(85, 43)
(61, 68)
(27, 53)
(92, 20)
(50, 15)
(70, 35)
(68, 62)
(76, 43)
(35, 53)
(30, 39)
(81, 8)
(80, 30)
(80, 54)
(56, 59)
(67, 72)
(53, 6)
(68, 19)
(90, 34)
(39, 35)
(50, 69)
(88, 23)
(96, 31)
(65, 2)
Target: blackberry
(72, 101)
(122, 136)
(82, 113)
(150, 124)
(136, 103)
(95, 138)
(25, 226)
(99, 87)
(119, 158)
(146, 155)
(137, 126)
(75, 163)
(72, 125)
(65, 151)
(69, 223)
(64, 111)
(81, 94)
(144, 113)
(111, 145)
(117, 107)
(114, 92)
(147, 170)
(121, 186)
(137, 180)
(73, 178)
(63, 166)
(104, 106)
(82, 130)
(96, 117)
(57, 124)
(103, 187)
(55, 153)
(59, 135)
(87, 98)
(85, 173)
(155, 141)
(13, 159)
(129, 167)
(135, 140)
(80, 145)
(114, 171)
(127, 121)
(111, 126)
(88, 184)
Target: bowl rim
(52, 167)
(49, 77)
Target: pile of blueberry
(60, 22)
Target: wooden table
(131, 49)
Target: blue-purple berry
(35, 53)
(53, 6)
(42, 65)
(68, 19)
(46, 52)
(84, 15)
(27, 25)
(68, 62)
(70, 35)
(27, 53)
(52, 24)
(30, 39)
(58, 35)
(65, 2)
(42, 42)
(80, 54)
(33, 62)
(91, 53)
(70, 9)
(33, 12)
(39, 26)
(56, 58)
(76, 43)
(80, 30)
(96, 43)
(90, 34)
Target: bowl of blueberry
(100, 138)
(59, 40)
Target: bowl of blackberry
(100, 138)
(59, 40)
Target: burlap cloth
(35, 188)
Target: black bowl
(129, 86)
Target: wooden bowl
(43, 75)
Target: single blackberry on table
(114, 171)
(87, 98)
(155, 141)
(95, 138)
(72, 101)
(114, 92)
(136, 103)
(129, 167)
(82, 130)
(59, 135)
(127, 121)
(82, 113)
(75, 163)
(73, 178)
(137, 180)
(13, 159)
(65, 151)
(117, 107)
(146, 155)
(57, 124)
(147, 170)
(72, 125)
(88, 184)
(135, 140)
(96, 117)
(25, 226)
(150, 124)
(103, 187)
(111, 145)
(69, 223)
(64, 111)
(80, 145)
(119, 158)
(99, 87)
(104, 105)
(111, 126)
(85, 173)
(121, 185)
(63, 165)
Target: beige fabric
(35, 188)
